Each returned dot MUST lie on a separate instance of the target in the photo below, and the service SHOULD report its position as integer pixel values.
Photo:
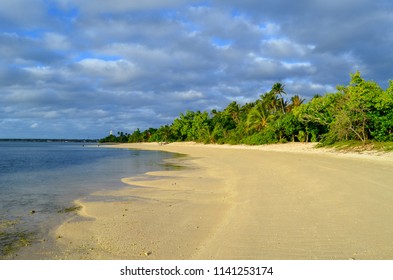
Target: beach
(286, 201)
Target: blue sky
(78, 69)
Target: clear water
(45, 178)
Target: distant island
(360, 112)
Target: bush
(255, 139)
(301, 136)
(328, 139)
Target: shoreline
(150, 222)
(286, 201)
(31, 235)
(290, 147)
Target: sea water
(38, 180)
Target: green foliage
(359, 146)
(109, 139)
(301, 136)
(254, 139)
(278, 89)
(319, 112)
(163, 134)
(290, 126)
(12, 237)
(361, 111)
(70, 209)
(193, 126)
(258, 118)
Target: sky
(79, 69)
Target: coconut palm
(258, 118)
(233, 110)
(278, 89)
(269, 101)
(296, 101)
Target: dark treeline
(360, 111)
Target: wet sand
(285, 201)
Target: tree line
(360, 111)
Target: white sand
(286, 201)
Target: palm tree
(258, 118)
(269, 102)
(296, 101)
(278, 89)
(234, 110)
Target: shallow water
(39, 180)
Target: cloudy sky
(78, 69)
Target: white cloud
(120, 61)
(56, 41)
(118, 71)
(34, 125)
(51, 114)
(188, 95)
(284, 48)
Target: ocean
(40, 180)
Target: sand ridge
(241, 202)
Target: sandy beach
(287, 201)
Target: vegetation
(11, 238)
(361, 111)
(357, 146)
(14, 241)
(70, 209)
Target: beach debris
(32, 212)
(148, 253)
